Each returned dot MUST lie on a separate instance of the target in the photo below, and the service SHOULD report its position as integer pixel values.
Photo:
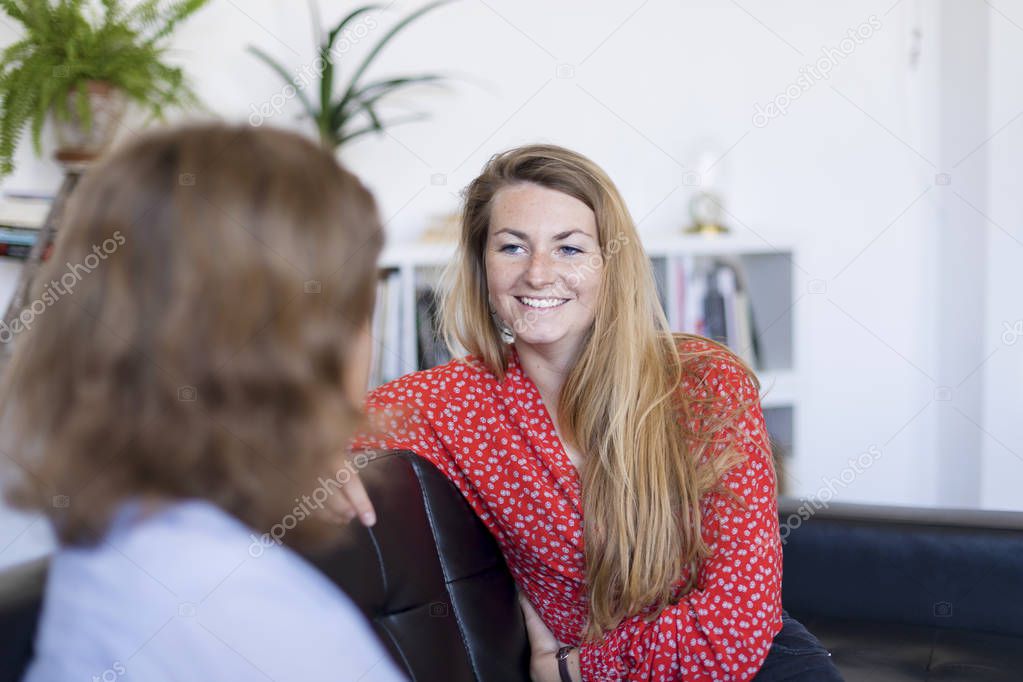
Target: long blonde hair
(644, 471)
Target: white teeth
(542, 302)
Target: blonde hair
(644, 471)
(203, 355)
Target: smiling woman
(625, 472)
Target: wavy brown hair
(644, 472)
(221, 275)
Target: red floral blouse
(495, 440)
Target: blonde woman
(625, 472)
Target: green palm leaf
(285, 76)
(334, 118)
(374, 92)
(326, 53)
(368, 60)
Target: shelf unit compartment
(769, 280)
(430, 349)
(756, 301)
(389, 353)
(781, 427)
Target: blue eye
(571, 250)
(509, 248)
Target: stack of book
(21, 216)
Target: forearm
(690, 641)
(545, 667)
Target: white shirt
(180, 596)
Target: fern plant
(354, 112)
(68, 43)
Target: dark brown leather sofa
(895, 594)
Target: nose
(541, 273)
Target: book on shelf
(432, 349)
(386, 362)
(713, 300)
(18, 251)
(660, 267)
(390, 336)
(21, 217)
(17, 236)
(17, 242)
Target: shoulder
(719, 394)
(406, 414)
(153, 551)
(711, 371)
(183, 549)
(721, 398)
(189, 573)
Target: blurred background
(864, 157)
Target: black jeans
(797, 656)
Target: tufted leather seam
(427, 505)
(380, 558)
(401, 652)
(483, 571)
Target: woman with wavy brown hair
(625, 471)
(194, 356)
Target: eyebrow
(557, 237)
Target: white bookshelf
(417, 255)
(778, 389)
(769, 281)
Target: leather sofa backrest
(431, 578)
(938, 567)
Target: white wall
(1002, 462)
(849, 173)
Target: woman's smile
(541, 303)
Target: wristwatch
(562, 657)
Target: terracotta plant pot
(78, 144)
